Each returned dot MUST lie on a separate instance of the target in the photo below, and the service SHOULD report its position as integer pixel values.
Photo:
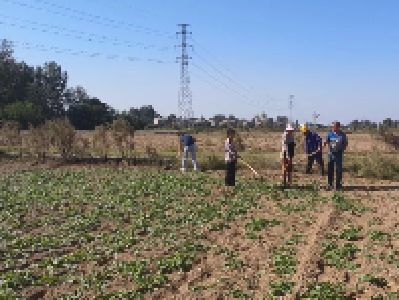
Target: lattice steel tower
(185, 97)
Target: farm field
(123, 233)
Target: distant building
(247, 124)
(159, 121)
(258, 123)
(229, 123)
(214, 122)
(200, 122)
(270, 122)
(281, 121)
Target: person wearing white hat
(287, 153)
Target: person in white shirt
(230, 156)
(287, 153)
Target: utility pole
(185, 98)
(291, 97)
(315, 116)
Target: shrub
(11, 133)
(389, 138)
(100, 141)
(82, 146)
(213, 162)
(122, 135)
(37, 141)
(377, 166)
(151, 152)
(239, 142)
(62, 136)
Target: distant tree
(143, 116)
(55, 86)
(85, 112)
(24, 113)
(6, 50)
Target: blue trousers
(335, 162)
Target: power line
(103, 18)
(229, 78)
(242, 96)
(236, 83)
(73, 52)
(228, 92)
(120, 5)
(95, 18)
(219, 81)
(89, 36)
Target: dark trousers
(335, 161)
(319, 159)
(231, 173)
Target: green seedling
(176, 262)
(219, 226)
(284, 264)
(259, 224)
(324, 290)
(234, 263)
(374, 280)
(339, 257)
(294, 240)
(281, 288)
(236, 293)
(252, 236)
(351, 234)
(378, 235)
(375, 221)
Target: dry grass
(368, 154)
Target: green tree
(24, 113)
(84, 111)
(55, 86)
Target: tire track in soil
(310, 263)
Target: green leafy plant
(176, 262)
(378, 235)
(281, 288)
(259, 224)
(284, 263)
(339, 257)
(374, 280)
(351, 234)
(324, 290)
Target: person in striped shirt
(287, 153)
(230, 156)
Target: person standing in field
(230, 156)
(287, 153)
(187, 144)
(313, 149)
(337, 142)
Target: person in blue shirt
(313, 149)
(187, 144)
(337, 143)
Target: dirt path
(310, 264)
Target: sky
(337, 58)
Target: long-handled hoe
(252, 169)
